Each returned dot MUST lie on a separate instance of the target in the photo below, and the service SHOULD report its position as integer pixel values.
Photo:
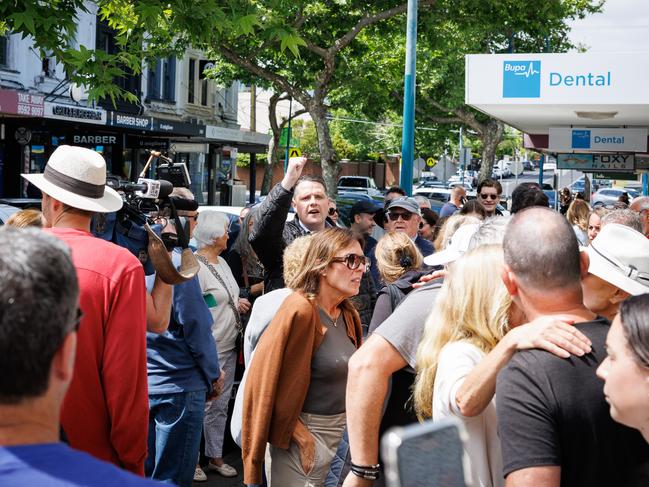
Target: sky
(623, 25)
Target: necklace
(331, 320)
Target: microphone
(144, 188)
(183, 204)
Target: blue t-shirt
(58, 465)
(183, 358)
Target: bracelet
(367, 472)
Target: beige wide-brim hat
(457, 247)
(620, 255)
(76, 176)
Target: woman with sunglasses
(294, 396)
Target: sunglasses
(353, 261)
(488, 196)
(333, 211)
(395, 216)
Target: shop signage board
(557, 78)
(20, 103)
(622, 176)
(74, 113)
(597, 139)
(94, 139)
(642, 162)
(127, 120)
(596, 162)
(134, 142)
(178, 128)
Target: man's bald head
(641, 206)
(541, 250)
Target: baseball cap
(364, 206)
(405, 202)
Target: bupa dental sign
(525, 79)
(597, 139)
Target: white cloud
(623, 25)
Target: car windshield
(353, 182)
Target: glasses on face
(394, 216)
(353, 261)
(333, 211)
(490, 196)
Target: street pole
(288, 135)
(462, 158)
(253, 156)
(408, 134)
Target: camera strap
(218, 277)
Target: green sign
(295, 142)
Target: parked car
(529, 165)
(467, 186)
(360, 184)
(550, 165)
(609, 196)
(432, 184)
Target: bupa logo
(581, 139)
(521, 79)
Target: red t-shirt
(106, 409)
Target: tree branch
(368, 20)
(252, 67)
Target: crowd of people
(532, 330)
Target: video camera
(134, 226)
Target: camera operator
(183, 371)
(105, 411)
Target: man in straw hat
(618, 267)
(105, 411)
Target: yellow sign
(430, 162)
(294, 152)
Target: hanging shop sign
(596, 162)
(598, 139)
(94, 139)
(74, 113)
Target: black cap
(364, 206)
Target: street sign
(295, 142)
(430, 162)
(294, 152)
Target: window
(204, 88)
(169, 79)
(153, 82)
(4, 44)
(191, 85)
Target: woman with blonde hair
(577, 215)
(399, 263)
(595, 222)
(28, 217)
(448, 228)
(469, 337)
(294, 396)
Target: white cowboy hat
(76, 176)
(456, 247)
(620, 255)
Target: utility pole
(408, 134)
(288, 135)
(253, 156)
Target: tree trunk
(271, 161)
(271, 156)
(491, 135)
(328, 159)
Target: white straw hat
(620, 255)
(76, 176)
(456, 247)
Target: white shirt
(224, 329)
(482, 449)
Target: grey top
(326, 394)
(404, 327)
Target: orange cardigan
(279, 377)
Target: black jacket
(271, 234)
